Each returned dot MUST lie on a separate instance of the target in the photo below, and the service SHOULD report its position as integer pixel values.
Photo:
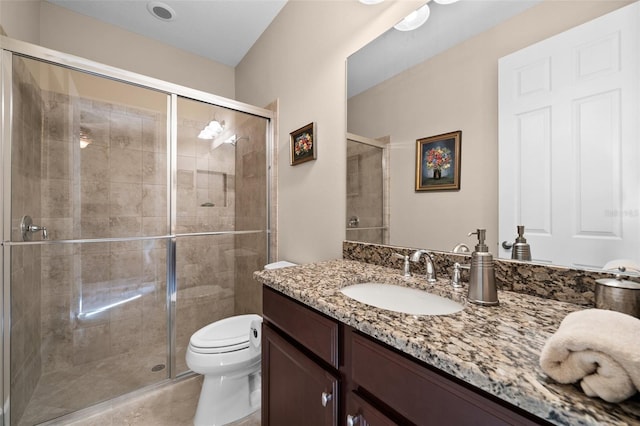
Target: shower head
(231, 140)
(234, 139)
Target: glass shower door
(366, 191)
(89, 237)
(221, 216)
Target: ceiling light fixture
(85, 137)
(212, 130)
(161, 11)
(369, 2)
(414, 20)
(445, 1)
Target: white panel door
(568, 143)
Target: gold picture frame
(303, 144)
(438, 162)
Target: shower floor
(173, 405)
(66, 391)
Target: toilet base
(225, 399)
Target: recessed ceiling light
(370, 1)
(414, 19)
(161, 11)
(445, 1)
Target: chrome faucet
(461, 248)
(431, 270)
(406, 270)
(456, 281)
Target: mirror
(453, 87)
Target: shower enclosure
(125, 227)
(367, 189)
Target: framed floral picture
(438, 162)
(303, 144)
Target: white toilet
(227, 353)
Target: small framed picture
(303, 144)
(438, 162)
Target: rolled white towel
(599, 348)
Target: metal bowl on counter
(617, 294)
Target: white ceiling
(220, 30)
(447, 26)
(225, 30)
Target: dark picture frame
(303, 144)
(438, 162)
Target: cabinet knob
(326, 397)
(352, 420)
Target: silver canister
(482, 284)
(619, 295)
(521, 249)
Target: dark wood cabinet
(300, 374)
(359, 412)
(307, 354)
(297, 390)
(419, 394)
(313, 331)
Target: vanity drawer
(419, 394)
(311, 329)
(362, 413)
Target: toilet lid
(227, 335)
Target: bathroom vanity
(330, 360)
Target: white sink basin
(401, 299)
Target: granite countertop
(496, 349)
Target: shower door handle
(27, 227)
(36, 228)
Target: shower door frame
(9, 47)
(382, 144)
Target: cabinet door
(314, 331)
(421, 395)
(296, 390)
(361, 413)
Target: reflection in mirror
(454, 88)
(367, 186)
(569, 145)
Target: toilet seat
(227, 335)
(229, 357)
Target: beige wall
(304, 66)
(19, 19)
(51, 26)
(306, 72)
(456, 90)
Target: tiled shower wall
(122, 193)
(219, 189)
(251, 213)
(365, 196)
(115, 187)
(206, 201)
(25, 260)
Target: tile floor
(57, 393)
(172, 405)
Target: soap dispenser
(521, 249)
(482, 280)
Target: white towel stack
(599, 348)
